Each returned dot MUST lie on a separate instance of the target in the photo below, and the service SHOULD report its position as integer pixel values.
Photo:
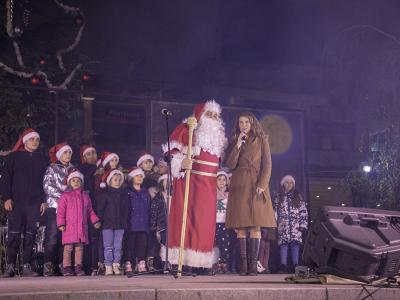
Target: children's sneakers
(128, 268)
(68, 271)
(141, 266)
(260, 267)
(109, 270)
(116, 269)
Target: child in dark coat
(74, 210)
(113, 211)
(158, 223)
(139, 199)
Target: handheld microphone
(243, 140)
(166, 112)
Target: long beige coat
(251, 168)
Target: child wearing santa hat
(74, 210)
(146, 163)
(113, 211)
(158, 223)
(53, 185)
(222, 234)
(139, 200)
(88, 167)
(108, 161)
(292, 220)
(23, 197)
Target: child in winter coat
(139, 199)
(292, 219)
(74, 210)
(53, 185)
(222, 236)
(93, 252)
(113, 210)
(158, 223)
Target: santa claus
(209, 142)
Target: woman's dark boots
(254, 246)
(243, 256)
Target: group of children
(129, 209)
(127, 213)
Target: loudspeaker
(356, 243)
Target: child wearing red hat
(53, 185)
(74, 210)
(146, 163)
(24, 201)
(113, 211)
(138, 227)
(108, 161)
(88, 168)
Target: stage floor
(158, 287)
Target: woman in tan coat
(249, 203)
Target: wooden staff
(192, 122)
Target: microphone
(166, 112)
(243, 140)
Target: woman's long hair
(256, 129)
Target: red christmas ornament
(85, 77)
(35, 80)
(79, 20)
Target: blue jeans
(112, 241)
(294, 249)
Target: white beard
(210, 136)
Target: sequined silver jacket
(53, 183)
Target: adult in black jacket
(24, 200)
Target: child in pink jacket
(74, 210)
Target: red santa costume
(209, 142)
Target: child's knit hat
(143, 157)
(106, 177)
(287, 178)
(135, 171)
(56, 151)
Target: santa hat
(85, 149)
(56, 151)
(222, 172)
(143, 157)
(72, 173)
(135, 171)
(106, 157)
(105, 179)
(287, 178)
(24, 137)
(162, 177)
(209, 105)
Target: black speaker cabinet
(356, 243)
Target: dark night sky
(176, 41)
